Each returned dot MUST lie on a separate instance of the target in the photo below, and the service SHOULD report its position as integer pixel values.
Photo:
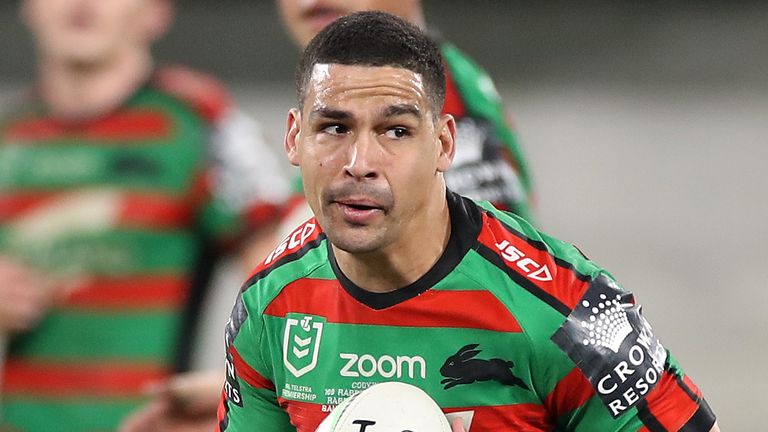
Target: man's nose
(363, 158)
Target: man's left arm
(615, 375)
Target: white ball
(387, 407)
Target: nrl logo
(301, 344)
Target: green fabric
(344, 357)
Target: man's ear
(446, 135)
(292, 136)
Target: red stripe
(453, 104)
(15, 204)
(141, 292)
(564, 285)
(249, 374)
(573, 391)
(670, 404)
(121, 127)
(518, 417)
(259, 214)
(105, 379)
(221, 411)
(155, 210)
(305, 416)
(206, 95)
(435, 308)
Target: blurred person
(524, 332)
(118, 181)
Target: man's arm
(611, 372)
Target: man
(489, 164)
(115, 178)
(505, 327)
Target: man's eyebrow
(331, 113)
(401, 109)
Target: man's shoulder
(556, 272)
(199, 91)
(302, 252)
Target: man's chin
(355, 241)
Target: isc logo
(293, 241)
(531, 268)
(386, 366)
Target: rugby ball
(387, 407)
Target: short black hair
(373, 38)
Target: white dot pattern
(608, 325)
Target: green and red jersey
(510, 329)
(116, 210)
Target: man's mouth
(359, 212)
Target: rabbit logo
(463, 368)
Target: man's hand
(184, 403)
(25, 296)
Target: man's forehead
(335, 75)
(333, 83)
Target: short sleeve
(249, 401)
(246, 186)
(619, 376)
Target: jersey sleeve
(247, 187)
(615, 374)
(241, 186)
(249, 401)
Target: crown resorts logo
(608, 325)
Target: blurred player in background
(489, 163)
(117, 179)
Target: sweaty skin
(363, 138)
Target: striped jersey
(116, 211)
(511, 330)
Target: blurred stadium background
(646, 125)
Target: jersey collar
(466, 222)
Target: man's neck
(81, 91)
(405, 261)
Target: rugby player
(399, 278)
(116, 179)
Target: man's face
(93, 31)
(305, 18)
(370, 151)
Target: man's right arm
(249, 400)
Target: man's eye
(397, 133)
(335, 130)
